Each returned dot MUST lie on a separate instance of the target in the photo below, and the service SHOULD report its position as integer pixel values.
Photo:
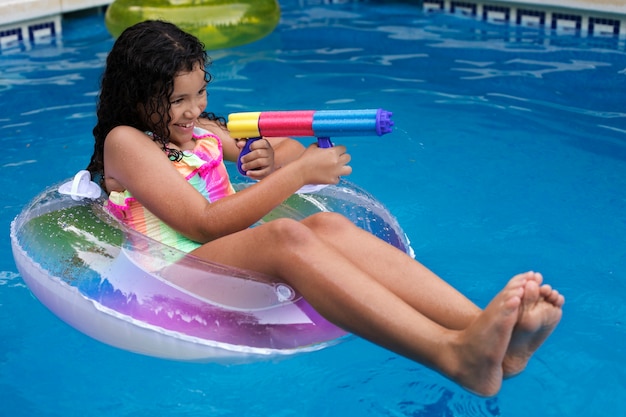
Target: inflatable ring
(217, 23)
(129, 291)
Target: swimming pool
(509, 154)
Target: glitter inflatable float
(129, 291)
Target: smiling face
(187, 102)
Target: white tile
(10, 40)
(73, 5)
(528, 20)
(13, 11)
(600, 29)
(565, 24)
(496, 16)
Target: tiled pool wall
(28, 23)
(585, 18)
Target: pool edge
(32, 22)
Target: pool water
(509, 154)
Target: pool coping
(32, 22)
(19, 11)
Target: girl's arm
(136, 163)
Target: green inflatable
(217, 23)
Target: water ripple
(484, 70)
(11, 279)
(7, 83)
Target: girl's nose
(196, 108)
(193, 112)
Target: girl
(159, 157)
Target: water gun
(322, 124)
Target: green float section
(217, 23)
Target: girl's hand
(259, 162)
(324, 165)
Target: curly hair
(139, 79)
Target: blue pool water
(509, 154)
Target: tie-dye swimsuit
(203, 168)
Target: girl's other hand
(325, 165)
(259, 162)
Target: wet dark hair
(139, 79)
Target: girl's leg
(416, 285)
(345, 294)
(404, 276)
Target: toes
(532, 292)
(535, 276)
(561, 301)
(556, 299)
(552, 296)
(518, 281)
(524, 276)
(545, 291)
(529, 276)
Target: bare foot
(539, 314)
(481, 347)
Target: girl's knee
(288, 233)
(292, 233)
(328, 222)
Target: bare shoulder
(126, 139)
(128, 151)
(124, 131)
